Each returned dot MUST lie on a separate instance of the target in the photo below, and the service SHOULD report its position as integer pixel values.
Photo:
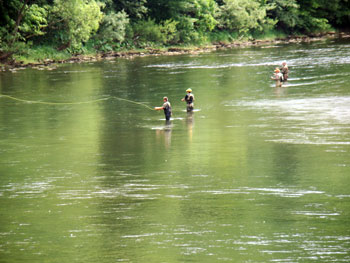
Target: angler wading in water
(284, 70)
(189, 98)
(166, 107)
(278, 77)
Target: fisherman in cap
(278, 77)
(189, 98)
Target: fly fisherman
(278, 77)
(284, 70)
(166, 107)
(189, 98)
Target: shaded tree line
(106, 25)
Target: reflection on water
(258, 174)
(190, 124)
(165, 132)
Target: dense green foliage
(105, 25)
(244, 16)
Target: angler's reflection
(166, 132)
(190, 124)
(280, 91)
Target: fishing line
(73, 103)
(135, 102)
(50, 103)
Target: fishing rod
(73, 103)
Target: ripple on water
(301, 58)
(323, 120)
(282, 192)
(316, 214)
(27, 189)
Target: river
(257, 173)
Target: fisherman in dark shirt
(166, 107)
(284, 70)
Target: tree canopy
(113, 24)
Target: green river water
(255, 174)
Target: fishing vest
(279, 76)
(189, 98)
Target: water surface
(255, 174)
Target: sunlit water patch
(305, 121)
(309, 59)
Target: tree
(205, 12)
(194, 18)
(148, 32)
(244, 16)
(112, 30)
(135, 9)
(21, 20)
(316, 14)
(339, 12)
(75, 21)
(286, 12)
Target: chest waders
(167, 110)
(189, 99)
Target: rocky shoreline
(49, 64)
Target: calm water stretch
(255, 174)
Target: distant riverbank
(176, 50)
